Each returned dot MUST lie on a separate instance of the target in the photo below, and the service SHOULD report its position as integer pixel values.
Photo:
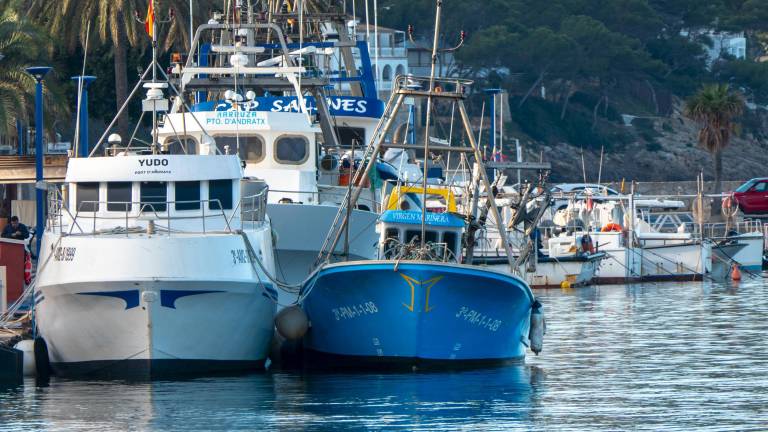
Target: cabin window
(411, 234)
(87, 197)
(187, 195)
(119, 196)
(391, 240)
(250, 148)
(220, 194)
(347, 134)
(431, 236)
(450, 240)
(181, 145)
(154, 195)
(291, 149)
(392, 233)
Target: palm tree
(112, 21)
(715, 108)
(19, 47)
(108, 20)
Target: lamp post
(38, 73)
(82, 143)
(492, 92)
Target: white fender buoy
(292, 322)
(538, 328)
(28, 348)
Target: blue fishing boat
(419, 306)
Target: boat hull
(299, 244)
(188, 307)
(417, 313)
(552, 272)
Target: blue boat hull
(420, 312)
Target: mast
(154, 77)
(453, 90)
(428, 120)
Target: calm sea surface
(644, 357)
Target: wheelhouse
(184, 193)
(401, 229)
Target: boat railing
(442, 86)
(723, 230)
(253, 209)
(149, 211)
(337, 191)
(212, 216)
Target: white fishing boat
(635, 250)
(151, 265)
(552, 262)
(255, 98)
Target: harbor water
(671, 356)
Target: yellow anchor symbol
(427, 283)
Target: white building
(389, 57)
(420, 59)
(723, 44)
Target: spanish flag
(149, 23)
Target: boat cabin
(184, 193)
(402, 228)
(407, 197)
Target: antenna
(154, 100)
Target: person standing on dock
(15, 230)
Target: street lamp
(38, 73)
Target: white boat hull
(550, 273)
(154, 305)
(301, 231)
(751, 257)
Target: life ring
(611, 227)
(729, 206)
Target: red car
(752, 196)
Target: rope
(287, 287)
(732, 261)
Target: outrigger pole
(450, 89)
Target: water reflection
(686, 356)
(414, 401)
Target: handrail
(340, 193)
(447, 86)
(148, 210)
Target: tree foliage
(715, 108)
(624, 55)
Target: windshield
(745, 187)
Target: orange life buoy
(611, 227)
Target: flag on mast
(149, 23)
